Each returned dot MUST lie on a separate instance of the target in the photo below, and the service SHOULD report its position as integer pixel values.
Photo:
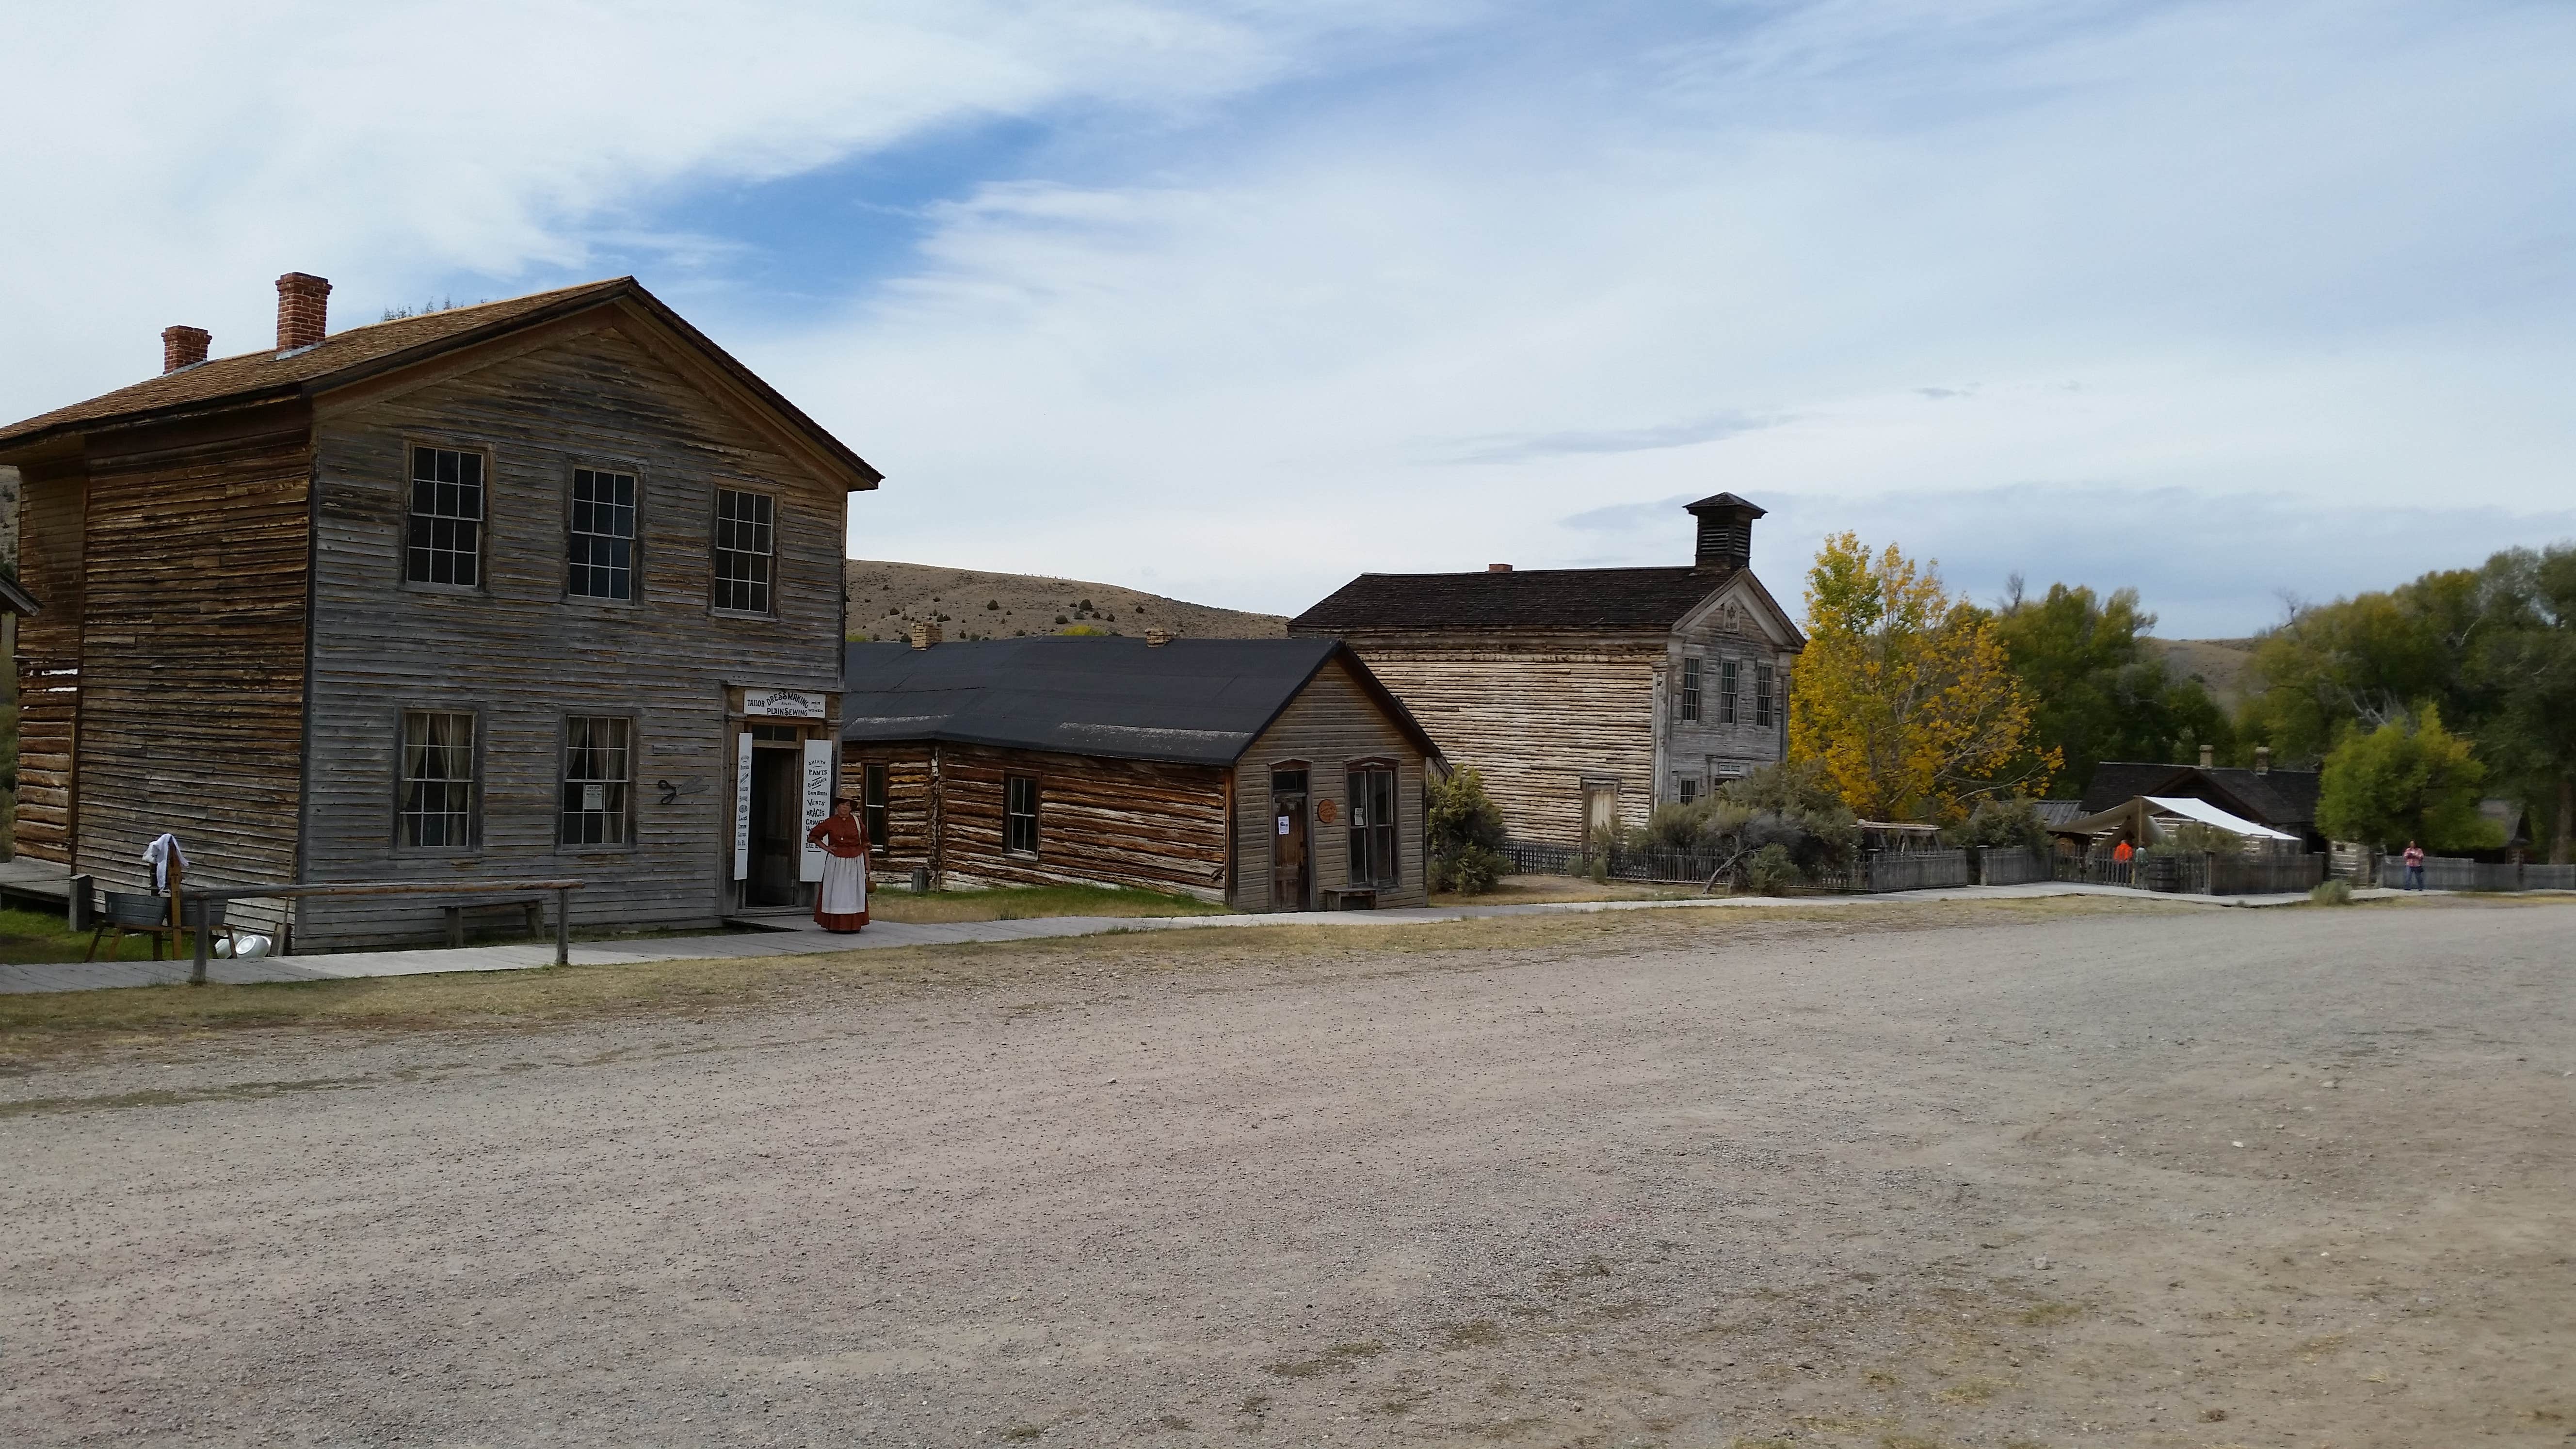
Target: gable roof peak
(1725, 500)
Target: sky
(2239, 304)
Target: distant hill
(2219, 664)
(887, 598)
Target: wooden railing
(562, 889)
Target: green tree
(2365, 660)
(1465, 831)
(2405, 780)
(2522, 663)
(2098, 691)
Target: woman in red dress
(841, 901)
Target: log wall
(49, 655)
(907, 801)
(1535, 716)
(1100, 822)
(522, 655)
(1331, 723)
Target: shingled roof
(357, 353)
(1191, 701)
(1635, 598)
(2283, 799)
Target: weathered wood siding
(1535, 716)
(522, 655)
(1711, 750)
(49, 653)
(1332, 723)
(1107, 822)
(907, 801)
(193, 640)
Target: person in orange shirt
(2121, 852)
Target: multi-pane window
(435, 806)
(746, 546)
(1685, 788)
(1726, 692)
(1762, 694)
(1020, 814)
(874, 791)
(444, 544)
(601, 543)
(1690, 691)
(598, 773)
(1373, 845)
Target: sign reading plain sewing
(782, 704)
(742, 807)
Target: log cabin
(1262, 774)
(546, 587)
(1586, 697)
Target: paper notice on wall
(818, 804)
(742, 807)
(1283, 824)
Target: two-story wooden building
(1586, 697)
(548, 587)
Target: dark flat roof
(1191, 701)
(1633, 598)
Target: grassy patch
(1339, 1356)
(1530, 890)
(1028, 903)
(27, 935)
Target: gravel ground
(2058, 1175)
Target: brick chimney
(2262, 759)
(1498, 568)
(183, 347)
(303, 310)
(925, 633)
(1725, 531)
(2208, 756)
(1157, 638)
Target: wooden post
(563, 927)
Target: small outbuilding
(1265, 774)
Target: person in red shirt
(841, 901)
(2414, 866)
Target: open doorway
(776, 775)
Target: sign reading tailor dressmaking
(782, 704)
(818, 804)
(742, 807)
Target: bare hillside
(887, 598)
(2219, 664)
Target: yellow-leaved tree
(1904, 695)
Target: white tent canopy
(2208, 814)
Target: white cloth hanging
(158, 855)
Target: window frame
(634, 541)
(1693, 674)
(715, 577)
(1763, 713)
(482, 585)
(1729, 681)
(475, 753)
(876, 802)
(564, 782)
(1371, 839)
(1012, 815)
(1685, 789)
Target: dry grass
(1028, 903)
(1530, 890)
(42, 1024)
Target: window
(873, 793)
(1373, 850)
(436, 803)
(1690, 691)
(746, 541)
(1726, 692)
(601, 543)
(1762, 694)
(1020, 814)
(445, 542)
(598, 767)
(1685, 789)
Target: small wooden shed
(1266, 774)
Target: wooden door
(776, 779)
(1288, 872)
(1600, 810)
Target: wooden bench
(534, 906)
(1350, 898)
(140, 913)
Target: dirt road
(2053, 1175)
